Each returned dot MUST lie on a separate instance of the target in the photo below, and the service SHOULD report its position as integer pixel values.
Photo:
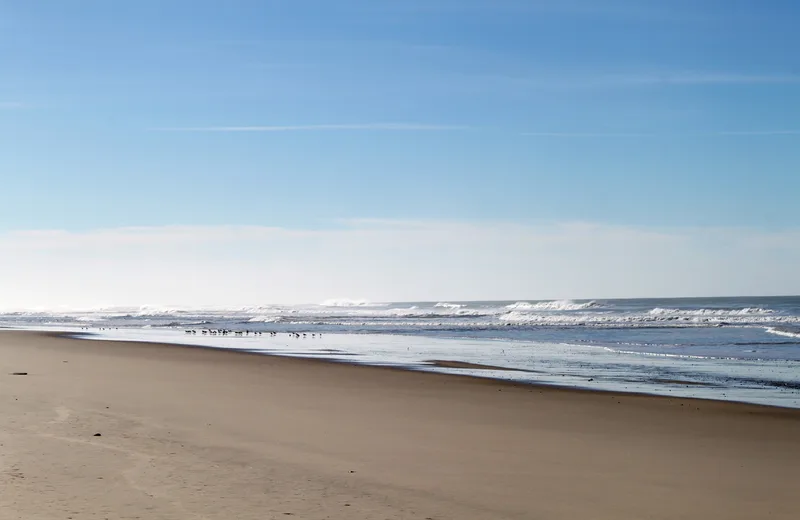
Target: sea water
(742, 349)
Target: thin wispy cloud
(761, 132)
(698, 78)
(624, 9)
(587, 134)
(594, 80)
(11, 105)
(398, 127)
(742, 133)
(388, 127)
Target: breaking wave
(446, 315)
(747, 311)
(344, 302)
(788, 333)
(445, 305)
(264, 319)
(556, 305)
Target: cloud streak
(700, 78)
(624, 9)
(761, 132)
(582, 81)
(732, 133)
(361, 127)
(11, 105)
(587, 134)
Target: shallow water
(742, 349)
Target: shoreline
(126, 429)
(421, 370)
(472, 378)
(451, 368)
(673, 385)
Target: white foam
(642, 320)
(344, 302)
(556, 305)
(264, 319)
(89, 319)
(363, 313)
(446, 305)
(748, 311)
(783, 332)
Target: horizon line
(360, 302)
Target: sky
(287, 151)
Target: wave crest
(747, 311)
(344, 302)
(264, 319)
(784, 332)
(445, 305)
(555, 305)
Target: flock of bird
(226, 332)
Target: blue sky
(307, 114)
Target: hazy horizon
(389, 261)
(357, 303)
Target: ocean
(740, 349)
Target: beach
(97, 429)
(743, 349)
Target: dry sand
(191, 433)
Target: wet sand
(444, 363)
(192, 433)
